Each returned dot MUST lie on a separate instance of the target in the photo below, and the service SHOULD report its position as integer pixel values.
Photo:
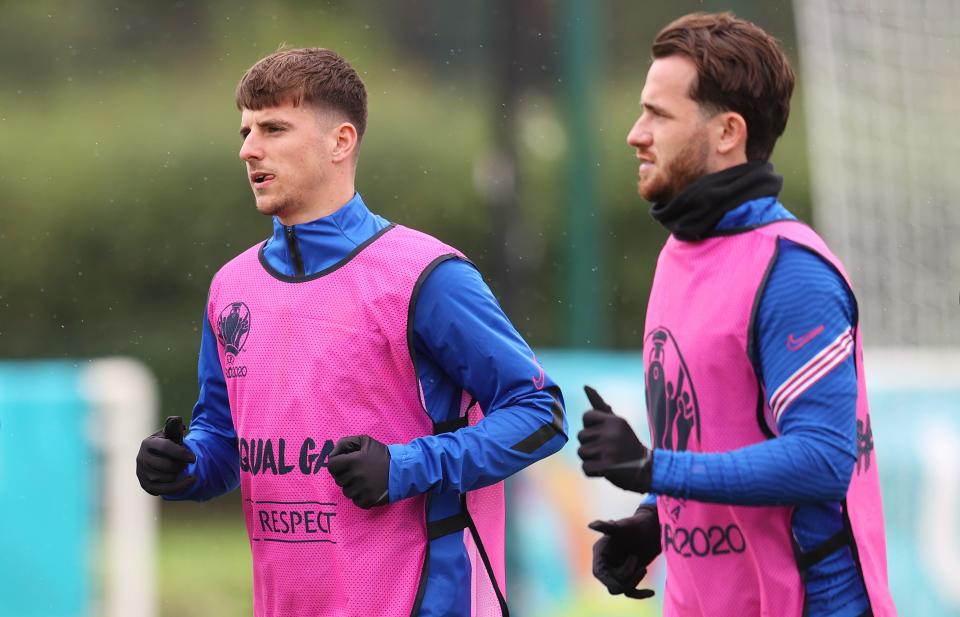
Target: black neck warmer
(698, 208)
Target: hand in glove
(628, 546)
(162, 458)
(360, 465)
(610, 448)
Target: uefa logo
(671, 399)
(233, 326)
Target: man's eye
(274, 129)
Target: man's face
(287, 153)
(670, 136)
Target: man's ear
(346, 142)
(731, 133)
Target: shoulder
(453, 296)
(799, 271)
(244, 258)
(452, 280)
(415, 239)
(232, 273)
(804, 297)
(426, 260)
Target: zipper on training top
(294, 251)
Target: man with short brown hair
(358, 381)
(764, 495)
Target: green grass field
(203, 563)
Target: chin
(269, 207)
(651, 192)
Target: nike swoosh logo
(794, 344)
(538, 380)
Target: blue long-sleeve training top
(462, 341)
(804, 307)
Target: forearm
(791, 469)
(812, 460)
(500, 445)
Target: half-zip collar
(295, 257)
(308, 248)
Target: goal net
(881, 81)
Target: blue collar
(754, 213)
(302, 250)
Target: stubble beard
(687, 165)
(275, 207)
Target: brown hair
(740, 68)
(313, 75)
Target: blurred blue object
(47, 480)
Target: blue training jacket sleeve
(460, 326)
(805, 317)
(212, 437)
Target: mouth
(645, 167)
(260, 179)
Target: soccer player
(767, 499)
(358, 381)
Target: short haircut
(740, 68)
(313, 76)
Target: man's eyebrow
(655, 109)
(274, 122)
(266, 122)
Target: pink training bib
(703, 395)
(308, 360)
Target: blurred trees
(122, 193)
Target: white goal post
(123, 397)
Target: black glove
(610, 448)
(162, 458)
(628, 546)
(360, 465)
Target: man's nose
(250, 150)
(639, 136)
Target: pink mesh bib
(702, 396)
(307, 361)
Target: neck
(719, 163)
(696, 210)
(331, 200)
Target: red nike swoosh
(794, 344)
